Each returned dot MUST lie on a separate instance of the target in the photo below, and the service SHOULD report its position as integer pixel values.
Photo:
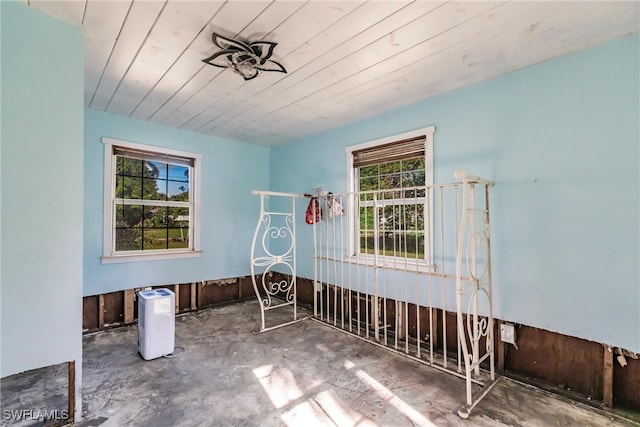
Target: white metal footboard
(473, 284)
(417, 280)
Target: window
(389, 177)
(151, 202)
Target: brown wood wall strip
(114, 308)
(626, 382)
(71, 397)
(500, 348)
(304, 289)
(193, 296)
(176, 292)
(225, 293)
(199, 294)
(90, 310)
(184, 297)
(129, 296)
(607, 384)
(559, 360)
(72, 390)
(434, 320)
(204, 295)
(100, 311)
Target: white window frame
(109, 254)
(425, 265)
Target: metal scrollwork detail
(275, 233)
(285, 257)
(274, 288)
(478, 243)
(476, 328)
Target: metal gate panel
(395, 293)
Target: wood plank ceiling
(346, 60)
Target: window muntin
(393, 224)
(152, 202)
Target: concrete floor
(306, 374)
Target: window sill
(390, 263)
(113, 259)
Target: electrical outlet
(508, 333)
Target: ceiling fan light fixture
(247, 59)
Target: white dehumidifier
(156, 323)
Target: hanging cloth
(312, 215)
(335, 207)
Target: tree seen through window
(399, 212)
(144, 194)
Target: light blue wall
(561, 141)
(42, 182)
(230, 170)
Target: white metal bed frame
(375, 297)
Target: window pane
(154, 189)
(128, 167)
(412, 213)
(366, 218)
(390, 244)
(366, 229)
(178, 217)
(155, 169)
(178, 191)
(390, 181)
(366, 243)
(389, 218)
(178, 173)
(366, 197)
(392, 167)
(389, 195)
(413, 164)
(410, 194)
(178, 237)
(367, 171)
(128, 239)
(128, 187)
(128, 216)
(413, 179)
(155, 216)
(179, 227)
(397, 215)
(155, 238)
(409, 245)
(420, 217)
(370, 183)
(415, 245)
